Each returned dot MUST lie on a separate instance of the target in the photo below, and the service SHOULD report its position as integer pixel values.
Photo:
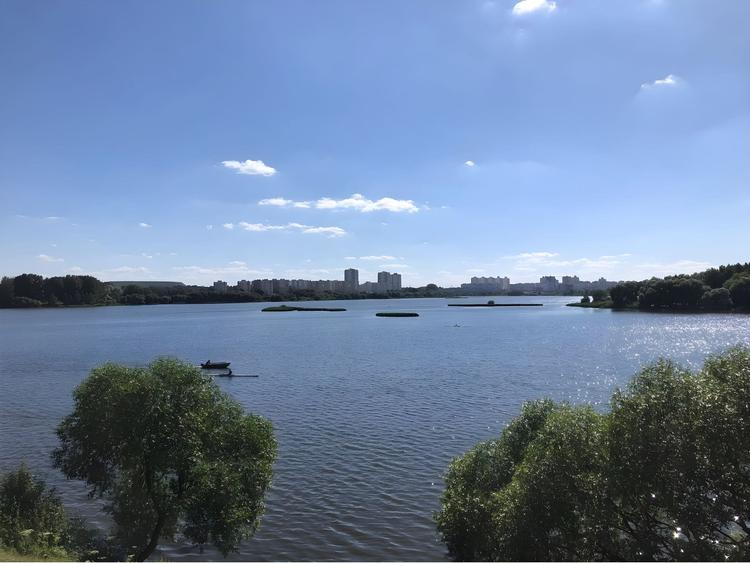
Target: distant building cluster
(488, 284)
(547, 284)
(350, 284)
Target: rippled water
(368, 411)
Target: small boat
(215, 365)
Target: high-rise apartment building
(351, 279)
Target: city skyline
(482, 137)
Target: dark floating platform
(286, 308)
(493, 304)
(396, 314)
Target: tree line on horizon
(723, 288)
(33, 290)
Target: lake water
(368, 411)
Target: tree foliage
(665, 475)
(171, 452)
(739, 289)
(32, 518)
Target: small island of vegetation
(491, 303)
(285, 308)
(396, 314)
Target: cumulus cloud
(470, 163)
(364, 205)
(358, 202)
(48, 258)
(530, 6)
(668, 81)
(298, 227)
(250, 167)
(75, 269)
(145, 225)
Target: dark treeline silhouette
(32, 290)
(722, 288)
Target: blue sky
(196, 141)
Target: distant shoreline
(634, 308)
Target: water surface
(368, 411)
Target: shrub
(665, 475)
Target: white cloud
(75, 269)
(533, 255)
(206, 274)
(382, 258)
(394, 265)
(250, 167)
(306, 229)
(530, 6)
(128, 270)
(357, 202)
(145, 225)
(470, 163)
(47, 258)
(364, 205)
(667, 81)
(660, 270)
(276, 201)
(259, 227)
(331, 231)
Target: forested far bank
(33, 290)
(726, 288)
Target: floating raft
(287, 308)
(396, 314)
(492, 304)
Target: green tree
(171, 452)
(625, 294)
(7, 292)
(599, 295)
(30, 286)
(717, 299)
(739, 288)
(665, 475)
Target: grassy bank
(594, 305)
(8, 554)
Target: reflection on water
(368, 411)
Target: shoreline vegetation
(651, 478)
(724, 289)
(287, 308)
